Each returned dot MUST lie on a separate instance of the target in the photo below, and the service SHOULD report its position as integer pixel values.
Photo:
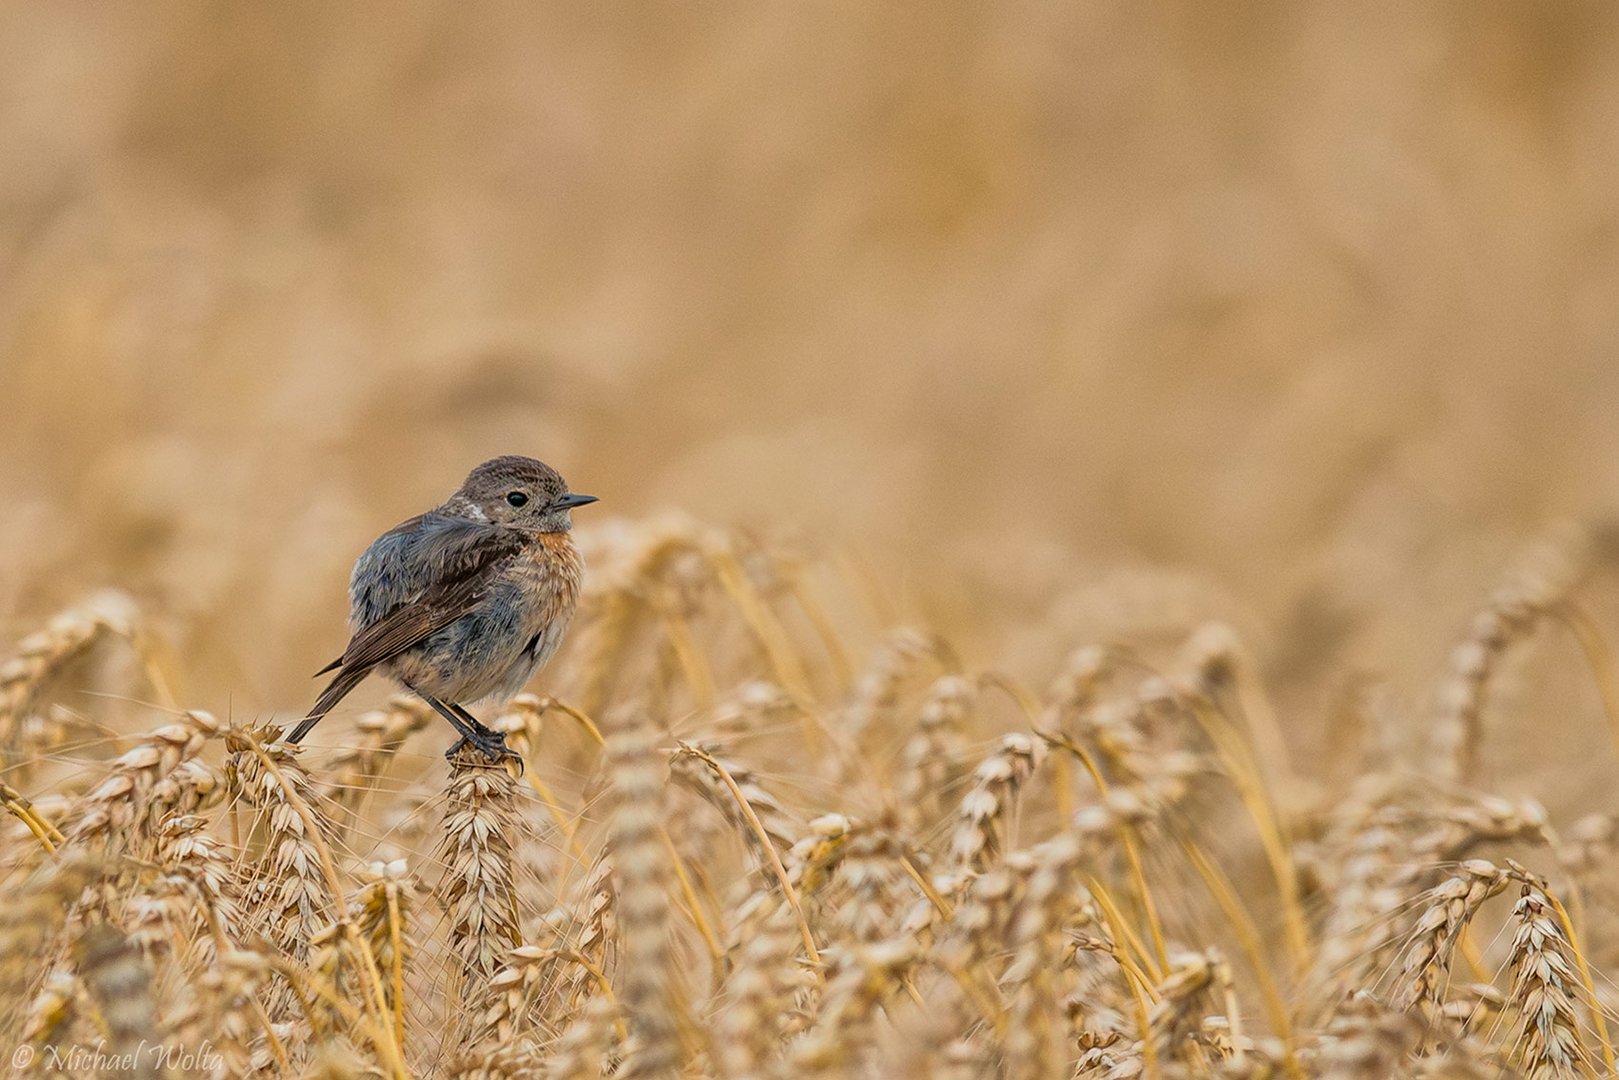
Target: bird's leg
(473, 734)
(473, 722)
(487, 733)
(467, 733)
(491, 743)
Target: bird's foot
(492, 745)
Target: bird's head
(519, 492)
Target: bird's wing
(460, 558)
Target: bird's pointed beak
(573, 502)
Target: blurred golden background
(1071, 321)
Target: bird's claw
(492, 747)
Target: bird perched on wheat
(466, 602)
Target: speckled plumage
(466, 602)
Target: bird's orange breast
(555, 563)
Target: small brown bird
(465, 602)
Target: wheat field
(769, 857)
(1108, 561)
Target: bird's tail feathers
(335, 691)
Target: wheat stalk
(288, 894)
(647, 981)
(1547, 1039)
(480, 828)
(40, 658)
(123, 810)
(1537, 587)
(1446, 910)
(996, 782)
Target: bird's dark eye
(517, 498)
